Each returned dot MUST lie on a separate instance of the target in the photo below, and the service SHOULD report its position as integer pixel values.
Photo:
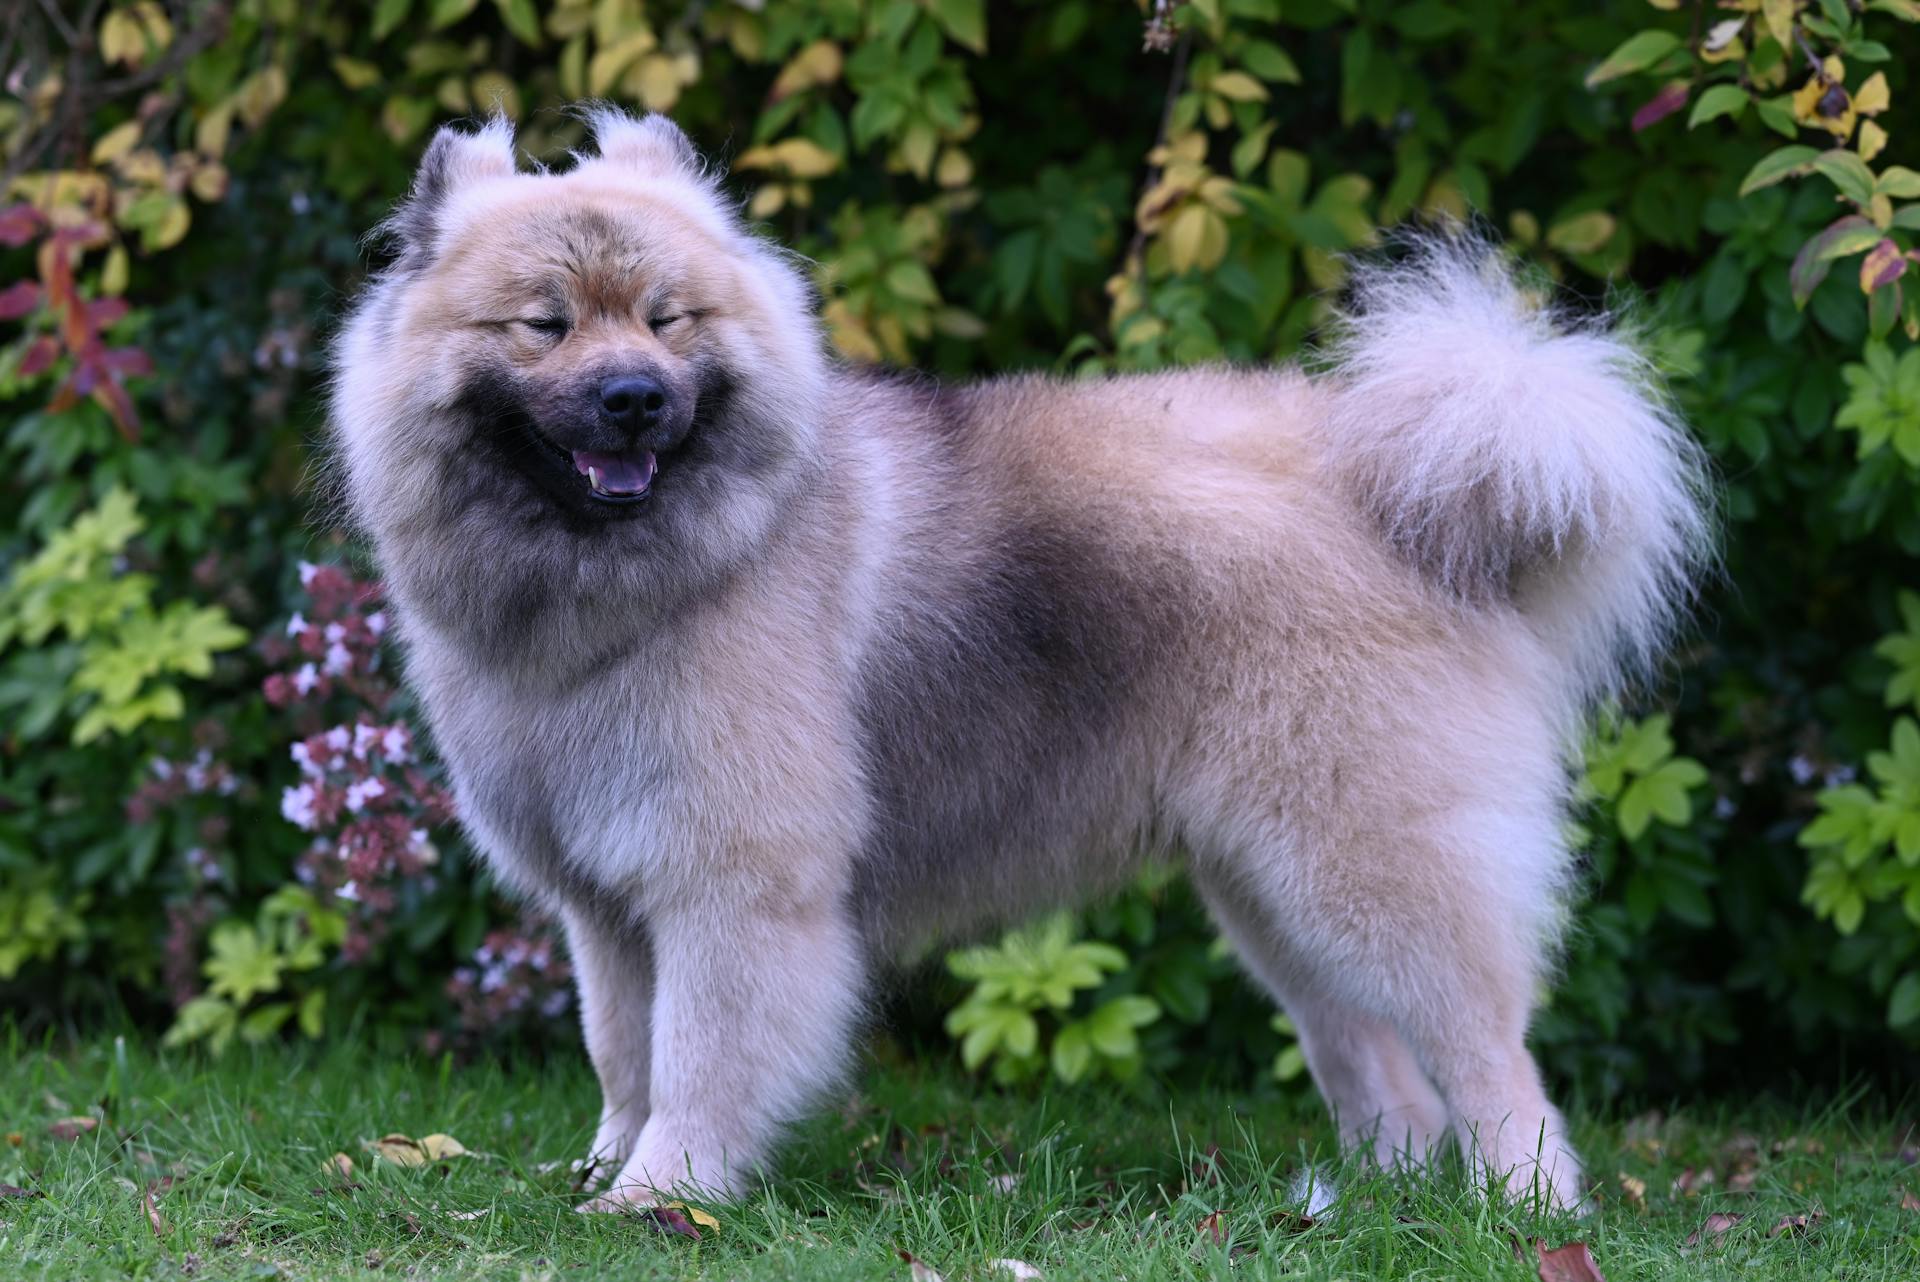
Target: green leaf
(243, 963)
(1903, 1005)
(1847, 171)
(1072, 1052)
(388, 14)
(444, 13)
(1776, 165)
(521, 19)
(1636, 53)
(1717, 101)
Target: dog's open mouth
(623, 477)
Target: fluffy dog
(761, 670)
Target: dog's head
(595, 376)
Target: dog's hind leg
(1367, 1075)
(614, 973)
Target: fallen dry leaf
(670, 1220)
(1742, 1181)
(150, 1200)
(15, 1139)
(1908, 1202)
(1015, 1269)
(694, 1213)
(339, 1165)
(1717, 1223)
(917, 1269)
(1570, 1263)
(72, 1128)
(1635, 1189)
(1215, 1227)
(1004, 1183)
(1788, 1225)
(1691, 1181)
(480, 1214)
(404, 1150)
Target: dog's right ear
(453, 159)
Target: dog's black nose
(632, 402)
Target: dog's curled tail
(1516, 457)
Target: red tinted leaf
(112, 396)
(1570, 1263)
(72, 1128)
(102, 312)
(130, 361)
(19, 224)
(1215, 1226)
(1809, 267)
(40, 357)
(1789, 1225)
(1883, 265)
(1672, 97)
(672, 1221)
(18, 299)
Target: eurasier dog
(762, 671)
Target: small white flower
(335, 632)
(339, 660)
(349, 892)
(306, 679)
(303, 759)
(363, 739)
(359, 794)
(377, 622)
(393, 745)
(338, 738)
(296, 806)
(296, 625)
(162, 768)
(307, 570)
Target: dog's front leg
(613, 971)
(754, 1000)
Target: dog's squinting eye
(658, 323)
(549, 326)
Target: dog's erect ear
(649, 143)
(454, 158)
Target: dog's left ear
(453, 159)
(651, 142)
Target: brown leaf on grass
(1635, 1190)
(672, 1220)
(1291, 1221)
(150, 1200)
(1792, 1225)
(404, 1150)
(1717, 1224)
(339, 1166)
(1690, 1181)
(1908, 1202)
(917, 1269)
(72, 1128)
(15, 1139)
(1215, 1227)
(1742, 1181)
(1570, 1263)
(11, 1191)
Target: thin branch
(1176, 82)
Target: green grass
(1086, 1183)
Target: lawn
(203, 1168)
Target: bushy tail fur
(1515, 456)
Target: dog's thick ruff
(876, 661)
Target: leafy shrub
(983, 190)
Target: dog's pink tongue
(616, 473)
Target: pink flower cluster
(337, 649)
(519, 976)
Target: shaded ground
(221, 1169)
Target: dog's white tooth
(593, 476)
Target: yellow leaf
(1186, 236)
(1586, 233)
(113, 275)
(339, 1165)
(209, 181)
(121, 38)
(1873, 97)
(768, 201)
(355, 73)
(1779, 18)
(451, 93)
(1239, 86)
(154, 23)
(259, 94)
(1873, 139)
(573, 68)
(171, 229)
(1524, 227)
(116, 142)
(917, 148)
(817, 64)
(401, 1150)
(655, 81)
(955, 168)
(440, 1147)
(611, 62)
(494, 92)
(210, 134)
(143, 168)
(849, 334)
(804, 158)
(693, 1213)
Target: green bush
(983, 190)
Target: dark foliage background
(218, 814)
